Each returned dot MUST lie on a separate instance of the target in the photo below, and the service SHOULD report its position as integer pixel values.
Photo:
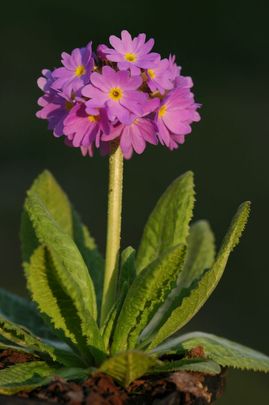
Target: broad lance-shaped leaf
(22, 311)
(146, 294)
(22, 337)
(223, 351)
(127, 269)
(199, 257)
(91, 256)
(198, 295)
(13, 378)
(168, 224)
(71, 270)
(53, 302)
(60, 209)
(200, 254)
(27, 376)
(128, 366)
(197, 365)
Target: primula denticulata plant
(120, 316)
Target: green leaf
(146, 294)
(128, 366)
(22, 337)
(168, 224)
(26, 376)
(62, 212)
(195, 365)
(20, 310)
(199, 257)
(72, 273)
(222, 351)
(200, 254)
(127, 269)
(51, 300)
(199, 294)
(110, 323)
(91, 256)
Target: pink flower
(131, 53)
(133, 137)
(84, 130)
(160, 77)
(176, 113)
(173, 68)
(55, 109)
(117, 93)
(76, 71)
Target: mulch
(179, 388)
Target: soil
(179, 388)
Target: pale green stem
(113, 230)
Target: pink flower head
(160, 77)
(55, 109)
(117, 92)
(133, 137)
(76, 71)
(176, 113)
(124, 93)
(128, 53)
(85, 130)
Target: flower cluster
(124, 92)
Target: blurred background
(222, 46)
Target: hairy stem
(113, 229)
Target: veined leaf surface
(146, 294)
(22, 337)
(199, 257)
(223, 351)
(70, 268)
(198, 295)
(128, 366)
(60, 209)
(168, 224)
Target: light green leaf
(199, 294)
(72, 273)
(112, 317)
(90, 254)
(62, 212)
(128, 366)
(22, 337)
(26, 376)
(199, 257)
(49, 296)
(200, 254)
(146, 294)
(127, 269)
(168, 224)
(196, 365)
(222, 351)
(20, 310)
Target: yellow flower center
(162, 111)
(80, 70)
(116, 93)
(93, 118)
(130, 57)
(151, 73)
(68, 105)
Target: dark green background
(222, 45)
